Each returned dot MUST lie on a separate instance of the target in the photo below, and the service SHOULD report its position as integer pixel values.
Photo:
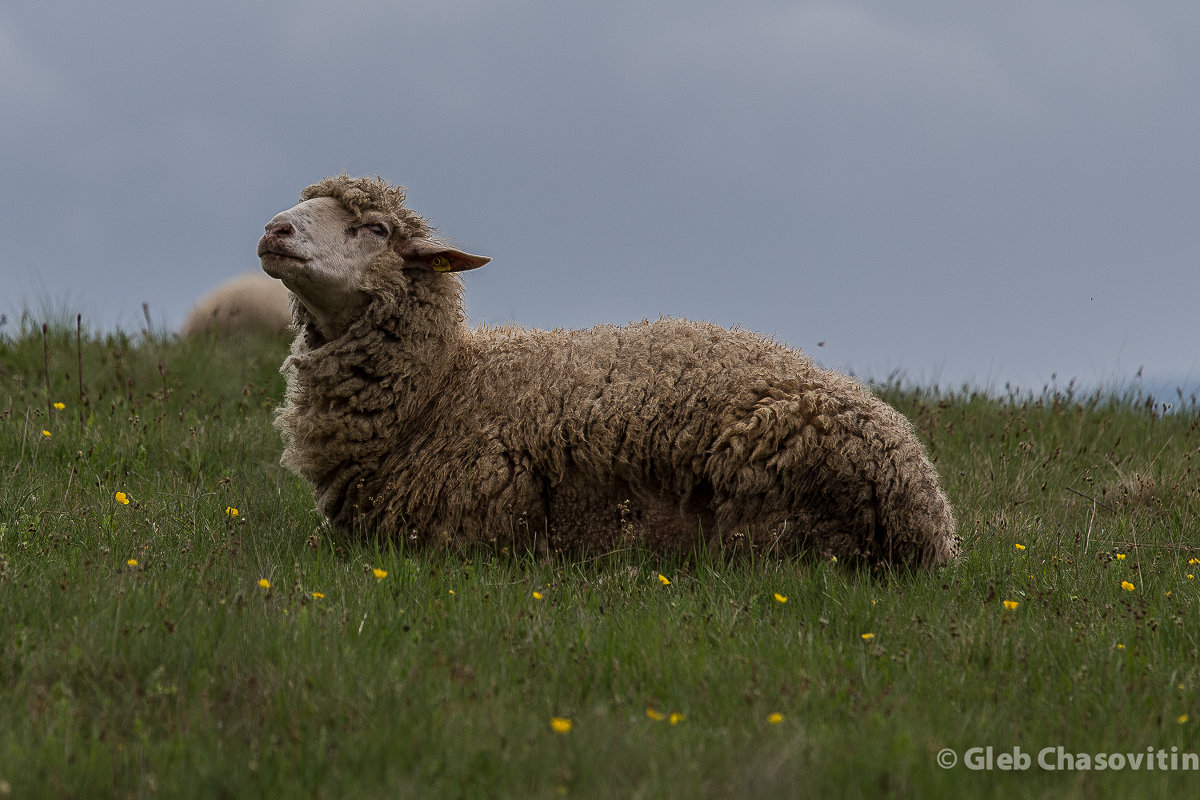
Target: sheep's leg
(506, 500)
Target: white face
(319, 249)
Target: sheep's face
(324, 254)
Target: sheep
(667, 435)
(248, 304)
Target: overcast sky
(984, 192)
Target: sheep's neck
(350, 401)
(392, 366)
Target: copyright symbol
(947, 758)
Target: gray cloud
(995, 192)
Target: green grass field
(167, 647)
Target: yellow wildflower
(1019, 546)
(779, 598)
(264, 583)
(1127, 586)
(1011, 605)
(560, 724)
(537, 595)
(318, 595)
(59, 406)
(1120, 646)
(451, 591)
(46, 433)
(1120, 556)
(774, 719)
(379, 574)
(231, 511)
(657, 716)
(1194, 560)
(1191, 577)
(675, 719)
(122, 498)
(663, 580)
(132, 562)
(1181, 719)
(868, 637)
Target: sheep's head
(348, 239)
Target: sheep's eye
(377, 228)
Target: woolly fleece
(248, 304)
(664, 434)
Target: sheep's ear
(426, 254)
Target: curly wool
(666, 435)
(360, 195)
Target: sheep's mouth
(266, 251)
(279, 263)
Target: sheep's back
(643, 402)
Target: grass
(141, 654)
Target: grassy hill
(175, 620)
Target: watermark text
(1057, 758)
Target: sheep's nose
(280, 229)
